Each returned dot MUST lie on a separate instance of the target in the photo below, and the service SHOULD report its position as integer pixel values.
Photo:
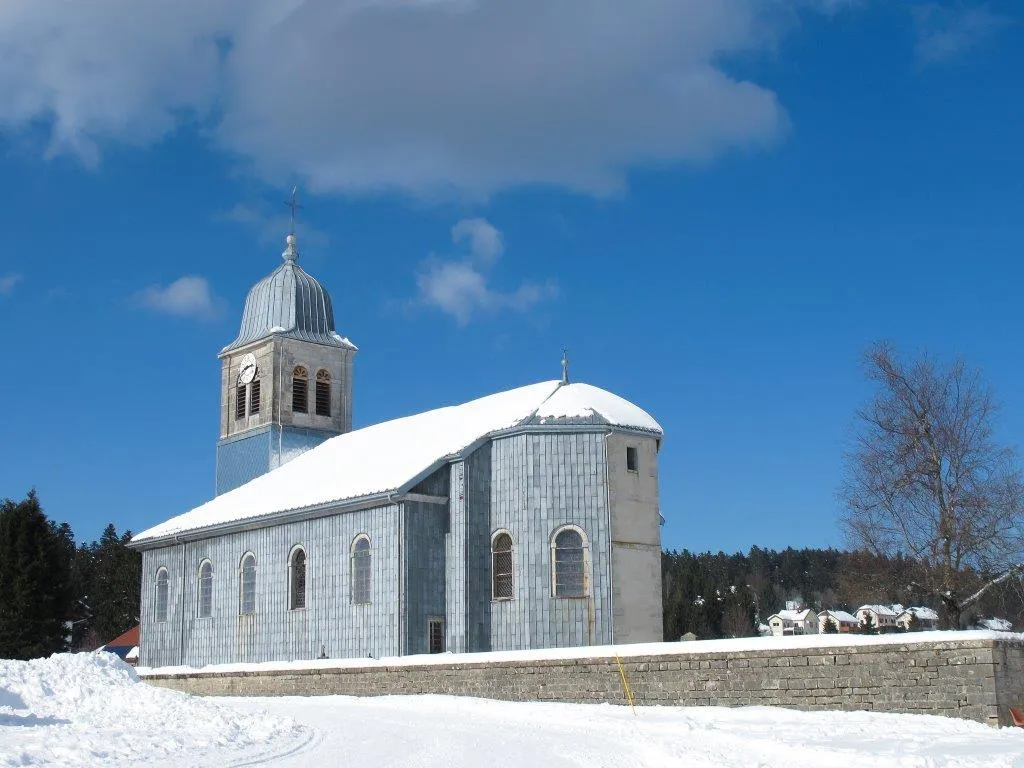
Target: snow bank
(737, 645)
(92, 709)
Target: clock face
(247, 370)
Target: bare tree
(926, 479)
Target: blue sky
(717, 206)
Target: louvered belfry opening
(300, 390)
(254, 397)
(240, 402)
(323, 393)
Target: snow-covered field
(90, 709)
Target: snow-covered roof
(999, 625)
(385, 458)
(881, 610)
(927, 614)
(788, 615)
(841, 616)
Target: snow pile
(91, 709)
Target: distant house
(125, 645)
(927, 618)
(793, 622)
(999, 625)
(882, 616)
(845, 622)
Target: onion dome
(291, 303)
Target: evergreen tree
(867, 625)
(115, 574)
(913, 623)
(36, 596)
(829, 627)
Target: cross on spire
(565, 365)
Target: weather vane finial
(565, 365)
(293, 203)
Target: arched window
(323, 393)
(162, 589)
(247, 584)
(502, 583)
(297, 579)
(300, 390)
(569, 564)
(205, 589)
(361, 561)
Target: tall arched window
(361, 562)
(569, 563)
(162, 589)
(323, 393)
(300, 390)
(502, 584)
(205, 589)
(297, 579)
(247, 584)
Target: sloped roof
(928, 614)
(386, 457)
(842, 616)
(794, 615)
(881, 610)
(125, 640)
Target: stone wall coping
(709, 650)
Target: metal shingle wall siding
(539, 482)
(274, 632)
(436, 555)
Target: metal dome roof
(288, 302)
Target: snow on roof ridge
(348, 466)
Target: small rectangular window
(254, 398)
(435, 629)
(300, 396)
(323, 398)
(632, 462)
(240, 402)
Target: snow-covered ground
(90, 709)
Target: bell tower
(286, 381)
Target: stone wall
(972, 679)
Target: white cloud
(943, 33)
(188, 296)
(460, 286)
(485, 242)
(433, 97)
(7, 283)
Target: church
(525, 519)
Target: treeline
(57, 596)
(717, 595)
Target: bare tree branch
(926, 479)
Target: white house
(883, 617)
(845, 622)
(927, 618)
(793, 622)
